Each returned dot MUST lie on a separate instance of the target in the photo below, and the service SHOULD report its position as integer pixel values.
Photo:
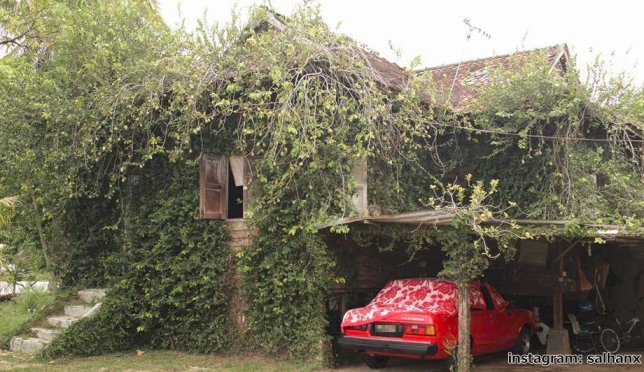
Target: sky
(435, 31)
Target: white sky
(434, 30)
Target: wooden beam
(557, 298)
(565, 252)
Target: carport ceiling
(444, 217)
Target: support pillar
(558, 339)
(241, 236)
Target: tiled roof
(388, 74)
(473, 75)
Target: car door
(506, 325)
(491, 324)
(483, 324)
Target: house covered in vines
(287, 174)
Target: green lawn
(152, 361)
(11, 318)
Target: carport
(551, 271)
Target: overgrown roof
(474, 75)
(388, 74)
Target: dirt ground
(172, 361)
(497, 363)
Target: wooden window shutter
(213, 186)
(237, 168)
(360, 201)
(248, 191)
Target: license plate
(386, 328)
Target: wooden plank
(533, 252)
(213, 186)
(565, 252)
(237, 168)
(360, 201)
(248, 187)
(557, 298)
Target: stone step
(93, 310)
(46, 333)
(77, 311)
(27, 345)
(90, 295)
(62, 321)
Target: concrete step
(90, 295)
(27, 345)
(62, 321)
(46, 333)
(93, 310)
(77, 311)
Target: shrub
(110, 330)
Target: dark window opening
(488, 299)
(235, 197)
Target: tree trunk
(53, 284)
(463, 356)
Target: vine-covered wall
(170, 280)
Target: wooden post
(463, 358)
(557, 299)
(558, 341)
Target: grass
(34, 299)
(153, 361)
(12, 319)
(15, 319)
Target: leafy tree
(78, 65)
(465, 244)
(7, 206)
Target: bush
(110, 330)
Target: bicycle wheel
(609, 340)
(583, 345)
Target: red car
(418, 318)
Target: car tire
(375, 362)
(522, 343)
(450, 363)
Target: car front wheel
(375, 362)
(522, 344)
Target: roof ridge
(490, 58)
